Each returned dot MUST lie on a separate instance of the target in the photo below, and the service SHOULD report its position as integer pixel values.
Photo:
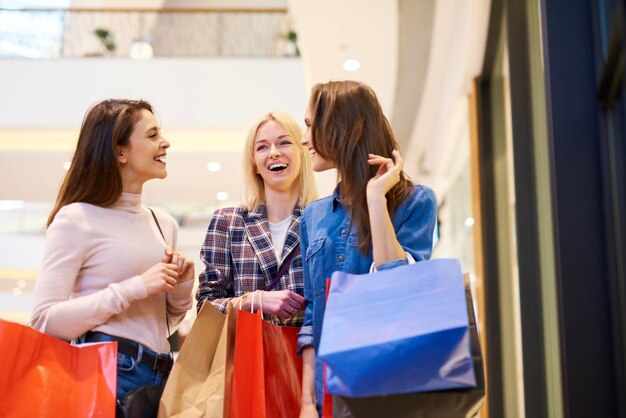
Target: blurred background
(210, 69)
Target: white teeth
(277, 166)
(162, 158)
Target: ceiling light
(351, 65)
(214, 166)
(67, 165)
(221, 196)
(469, 222)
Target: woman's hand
(187, 271)
(282, 303)
(387, 176)
(185, 265)
(174, 268)
(385, 244)
(162, 277)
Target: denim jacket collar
(336, 198)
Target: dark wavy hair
(347, 124)
(94, 175)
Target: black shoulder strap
(167, 322)
(157, 224)
(283, 268)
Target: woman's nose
(274, 150)
(165, 143)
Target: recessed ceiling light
(469, 222)
(214, 166)
(67, 165)
(221, 196)
(351, 65)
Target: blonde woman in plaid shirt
(245, 245)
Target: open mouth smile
(277, 167)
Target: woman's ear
(121, 156)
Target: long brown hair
(94, 175)
(347, 124)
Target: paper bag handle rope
(281, 272)
(260, 292)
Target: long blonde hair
(253, 186)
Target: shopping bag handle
(260, 292)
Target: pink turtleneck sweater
(90, 275)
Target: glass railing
(143, 34)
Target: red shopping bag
(267, 372)
(42, 376)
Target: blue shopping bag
(403, 330)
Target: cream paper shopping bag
(199, 383)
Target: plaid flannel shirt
(239, 257)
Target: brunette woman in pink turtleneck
(108, 273)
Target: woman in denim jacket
(375, 218)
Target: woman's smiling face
(318, 163)
(277, 157)
(144, 157)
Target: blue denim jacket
(328, 244)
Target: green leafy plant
(106, 38)
(292, 39)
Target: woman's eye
(261, 148)
(285, 143)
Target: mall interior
(512, 111)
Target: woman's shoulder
(74, 208)
(78, 211)
(421, 201)
(230, 211)
(74, 217)
(316, 211)
(231, 216)
(423, 194)
(164, 217)
(320, 204)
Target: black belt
(157, 362)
